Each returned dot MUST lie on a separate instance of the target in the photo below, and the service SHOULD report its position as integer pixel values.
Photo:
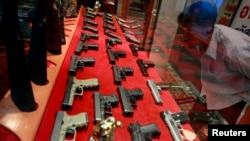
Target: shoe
(54, 51)
(38, 81)
(24, 99)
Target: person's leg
(20, 85)
(38, 51)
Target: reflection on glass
(225, 70)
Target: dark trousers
(18, 70)
(17, 67)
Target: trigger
(70, 131)
(78, 90)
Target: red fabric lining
(146, 112)
(7, 135)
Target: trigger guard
(71, 132)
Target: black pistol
(79, 62)
(110, 34)
(143, 133)
(110, 42)
(82, 46)
(115, 55)
(91, 22)
(89, 28)
(109, 27)
(88, 15)
(134, 48)
(144, 65)
(86, 36)
(103, 105)
(128, 99)
(120, 73)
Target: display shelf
(146, 111)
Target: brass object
(97, 5)
(105, 130)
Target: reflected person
(225, 72)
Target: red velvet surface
(147, 111)
(8, 135)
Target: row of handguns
(121, 72)
(103, 109)
(104, 129)
(78, 62)
(103, 104)
(108, 25)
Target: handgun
(123, 25)
(91, 11)
(110, 42)
(85, 46)
(209, 117)
(110, 34)
(155, 88)
(128, 99)
(88, 15)
(103, 105)
(108, 21)
(115, 55)
(135, 48)
(78, 62)
(85, 36)
(89, 28)
(108, 16)
(76, 87)
(174, 121)
(134, 33)
(109, 27)
(135, 26)
(143, 133)
(125, 21)
(120, 19)
(132, 39)
(91, 22)
(67, 124)
(94, 13)
(143, 65)
(120, 73)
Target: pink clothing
(225, 72)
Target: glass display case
(176, 44)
